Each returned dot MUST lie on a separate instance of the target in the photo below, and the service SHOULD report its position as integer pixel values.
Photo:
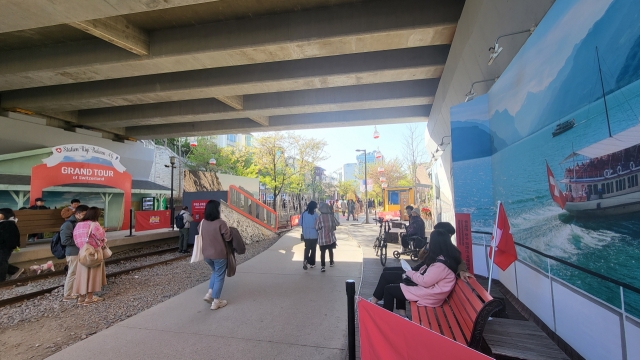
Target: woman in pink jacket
(433, 282)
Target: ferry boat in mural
(563, 127)
(605, 181)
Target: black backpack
(57, 249)
(180, 221)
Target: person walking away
(215, 232)
(343, 207)
(71, 250)
(67, 212)
(9, 240)
(326, 226)
(89, 280)
(310, 235)
(183, 242)
(39, 205)
(352, 208)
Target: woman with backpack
(215, 232)
(89, 279)
(309, 234)
(9, 240)
(326, 225)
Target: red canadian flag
(504, 249)
(556, 194)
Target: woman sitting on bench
(394, 274)
(430, 285)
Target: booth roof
(25, 180)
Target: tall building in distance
(371, 158)
(233, 140)
(349, 171)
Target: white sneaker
(217, 304)
(208, 298)
(15, 276)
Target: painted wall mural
(569, 99)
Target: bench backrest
(472, 306)
(37, 221)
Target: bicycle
(380, 244)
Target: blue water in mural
(608, 245)
(473, 194)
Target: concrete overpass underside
(156, 69)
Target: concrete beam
(286, 122)
(262, 120)
(346, 29)
(233, 101)
(394, 94)
(21, 15)
(369, 68)
(117, 31)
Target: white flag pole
(493, 249)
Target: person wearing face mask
(9, 240)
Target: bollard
(351, 315)
(130, 223)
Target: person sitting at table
(432, 283)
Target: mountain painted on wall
(576, 85)
(470, 139)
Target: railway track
(34, 294)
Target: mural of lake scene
(529, 101)
(472, 147)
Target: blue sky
(342, 142)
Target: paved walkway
(276, 311)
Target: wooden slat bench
(37, 221)
(463, 315)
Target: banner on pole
(464, 239)
(153, 220)
(385, 336)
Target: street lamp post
(172, 161)
(366, 190)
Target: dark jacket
(416, 227)
(9, 235)
(66, 237)
(36, 207)
(237, 241)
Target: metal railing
(252, 208)
(571, 265)
(551, 303)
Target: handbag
(231, 259)
(302, 226)
(197, 246)
(106, 252)
(89, 256)
(408, 282)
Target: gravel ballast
(38, 328)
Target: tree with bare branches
(414, 151)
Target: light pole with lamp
(172, 161)
(366, 192)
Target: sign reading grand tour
(82, 164)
